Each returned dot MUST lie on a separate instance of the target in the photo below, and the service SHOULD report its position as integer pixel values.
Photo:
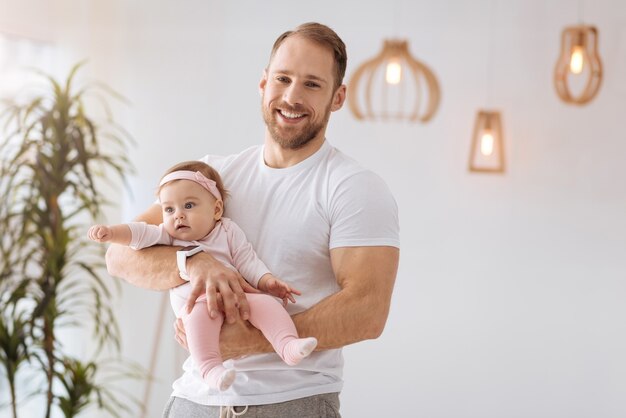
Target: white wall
(509, 298)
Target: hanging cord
(580, 12)
(229, 412)
(490, 52)
(394, 20)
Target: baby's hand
(100, 233)
(276, 287)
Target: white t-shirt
(293, 217)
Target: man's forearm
(240, 339)
(339, 320)
(357, 312)
(151, 268)
(360, 309)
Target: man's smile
(291, 115)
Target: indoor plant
(51, 162)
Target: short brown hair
(324, 36)
(208, 171)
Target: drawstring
(229, 412)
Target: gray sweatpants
(318, 406)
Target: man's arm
(357, 312)
(155, 268)
(360, 309)
(151, 268)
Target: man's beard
(293, 138)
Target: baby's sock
(297, 349)
(220, 377)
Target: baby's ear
(219, 210)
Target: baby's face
(189, 210)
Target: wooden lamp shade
(393, 85)
(487, 153)
(579, 63)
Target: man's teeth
(290, 115)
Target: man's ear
(262, 83)
(338, 98)
(219, 210)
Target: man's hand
(225, 289)
(179, 333)
(274, 286)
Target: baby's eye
(189, 205)
(168, 210)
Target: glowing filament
(393, 74)
(486, 143)
(577, 60)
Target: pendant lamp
(487, 152)
(487, 148)
(579, 66)
(393, 85)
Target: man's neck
(276, 156)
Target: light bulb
(486, 143)
(577, 60)
(393, 74)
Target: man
(317, 219)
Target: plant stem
(13, 400)
(49, 347)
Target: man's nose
(293, 94)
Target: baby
(191, 195)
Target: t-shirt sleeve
(244, 257)
(215, 161)
(363, 212)
(145, 235)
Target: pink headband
(194, 176)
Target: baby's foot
(220, 377)
(297, 349)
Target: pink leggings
(203, 333)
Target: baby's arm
(276, 287)
(117, 234)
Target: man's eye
(314, 85)
(282, 79)
(188, 205)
